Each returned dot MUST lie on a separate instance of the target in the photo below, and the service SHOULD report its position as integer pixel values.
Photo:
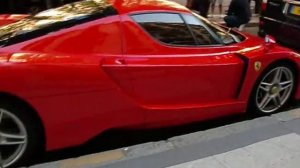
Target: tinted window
(166, 27)
(222, 34)
(201, 33)
(53, 20)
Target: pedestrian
(257, 6)
(239, 13)
(34, 8)
(203, 6)
(220, 5)
(200, 5)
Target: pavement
(263, 142)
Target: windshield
(54, 19)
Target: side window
(201, 33)
(168, 28)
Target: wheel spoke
(277, 76)
(12, 139)
(265, 86)
(286, 85)
(277, 101)
(266, 100)
(278, 84)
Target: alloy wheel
(275, 89)
(13, 138)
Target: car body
(281, 19)
(7, 19)
(66, 76)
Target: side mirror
(269, 42)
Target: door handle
(111, 61)
(120, 61)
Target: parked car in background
(70, 73)
(281, 19)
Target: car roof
(132, 6)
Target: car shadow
(115, 139)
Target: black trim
(244, 73)
(190, 29)
(166, 44)
(217, 39)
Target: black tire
(34, 141)
(254, 103)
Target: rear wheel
(273, 90)
(18, 136)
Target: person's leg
(204, 7)
(232, 21)
(258, 6)
(213, 4)
(201, 9)
(221, 6)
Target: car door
(292, 24)
(274, 18)
(170, 63)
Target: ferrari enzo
(70, 73)
(6, 19)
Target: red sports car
(70, 73)
(7, 19)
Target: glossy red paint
(95, 76)
(7, 19)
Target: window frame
(214, 35)
(197, 45)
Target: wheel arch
(293, 64)
(7, 97)
(284, 61)
(287, 61)
(295, 67)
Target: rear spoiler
(7, 19)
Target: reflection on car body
(67, 76)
